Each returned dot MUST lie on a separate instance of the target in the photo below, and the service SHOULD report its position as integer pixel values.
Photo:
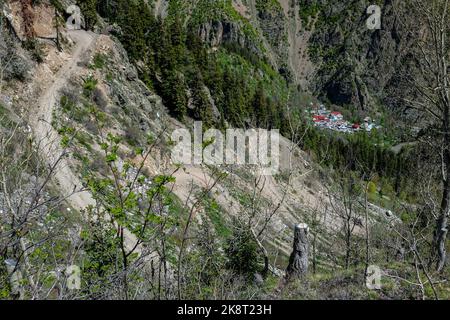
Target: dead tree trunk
(442, 222)
(298, 262)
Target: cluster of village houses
(334, 120)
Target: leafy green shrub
(67, 104)
(371, 187)
(99, 61)
(89, 84)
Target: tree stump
(298, 262)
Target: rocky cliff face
(217, 33)
(325, 46)
(357, 66)
(269, 29)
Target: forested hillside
(210, 63)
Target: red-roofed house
(320, 118)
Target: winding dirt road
(47, 137)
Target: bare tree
(344, 199)
(31, 213)
(413, 236)
(193, 208)
(433, 87)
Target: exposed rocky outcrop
(357, 66)
(217, 33)
(327, 48)
(18, 60)
(273, 25)
(40, 14)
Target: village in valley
(324, 118)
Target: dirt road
(47, 137)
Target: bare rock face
(355, 65)
(212, 33)
(218, 32)
(273, 25)
(298, 262)
(241, 8)
(215, 111)
(42, 16)
(18, 60)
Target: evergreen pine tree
(203, 107)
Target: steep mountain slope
(127, 104)
(353, 66)
(108, 100)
